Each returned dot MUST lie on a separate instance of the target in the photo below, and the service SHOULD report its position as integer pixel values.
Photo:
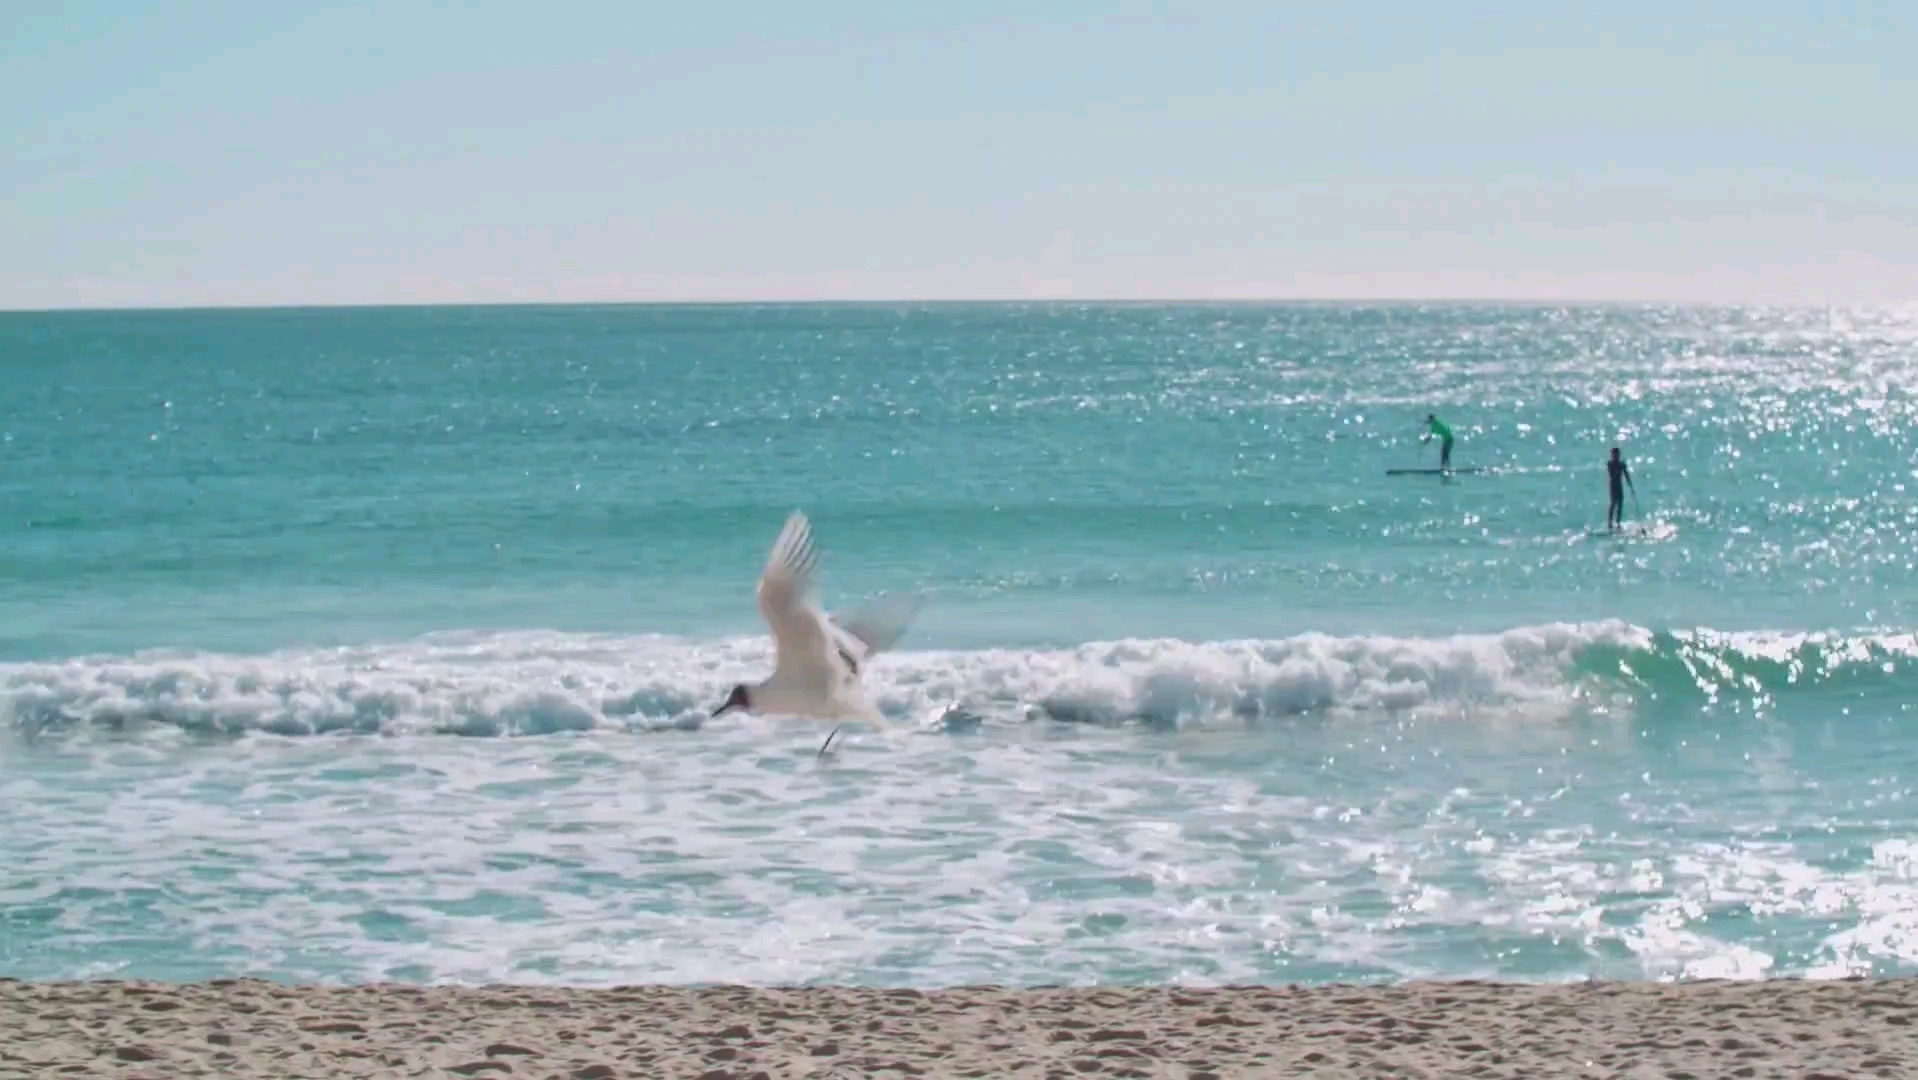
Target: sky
(169, 154)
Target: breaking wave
(532, 683)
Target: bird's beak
(734, 700)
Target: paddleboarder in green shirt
(1444, 436)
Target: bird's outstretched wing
(879, 623)
(785, 596)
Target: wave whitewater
(532, 683)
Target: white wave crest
(538, 682)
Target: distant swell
(540, 683)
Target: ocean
(362, 645)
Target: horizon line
(1294, 301)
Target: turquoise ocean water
(377, 644)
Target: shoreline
(1839, 1030)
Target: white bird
(817, 657)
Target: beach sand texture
(1846, 1030)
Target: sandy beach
(1803, 1030)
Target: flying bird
(818, 658)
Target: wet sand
(1845, 1030)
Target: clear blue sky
(168, 154)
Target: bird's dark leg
(827, 743)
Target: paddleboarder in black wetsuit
(1620, 476)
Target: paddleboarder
(1444, 433)
(1620, 476)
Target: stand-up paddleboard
(1659, 530)
(1436, 472)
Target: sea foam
(532, 683)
